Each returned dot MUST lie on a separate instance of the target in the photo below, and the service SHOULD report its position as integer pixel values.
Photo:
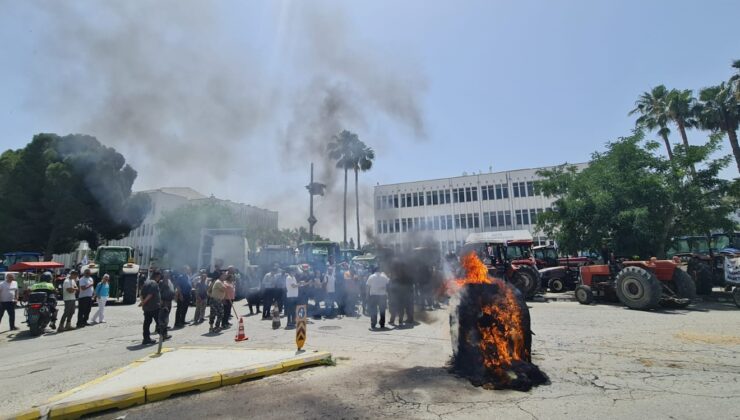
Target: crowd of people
(328, 291)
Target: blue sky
(507, 84)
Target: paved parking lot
(603, 360)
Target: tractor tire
(584, 295)
(683, 285)
(736, 296)
(129, 289)
(703, 279)
(556, 285)
(638, 288)
(526, 279)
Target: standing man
(8, 298)
(69, 288)
(291, 292)
(377, 293)
(167, 294)
(183, 290)
(86, 285)
(201, 297)
(330, 279)
(218, 293)
(230, 289)
(150, 304)
(269, 284)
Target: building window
(436, 222)
(416, 199)
(379, 228)
(403, 200)
(525, 217)
(429, 198)
(397, 224)
(447, 197)
(530, 188)
(434, 197)
(377, 203)
(533, 216)
(395, 200)
(476, 220)
(475, 193)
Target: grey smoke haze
(190, 104)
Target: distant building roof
(184, 192)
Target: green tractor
(118, 263)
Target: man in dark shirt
(150, 303)
(167, 294)
(183, 290)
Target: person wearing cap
(102, 291)
(201, 297)
(85, 298)
(69, 289)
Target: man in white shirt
(69, 288)
(291, 297)
(8, 298)
(377, 285)
(86, 285)
(330, 279)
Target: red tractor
(559, 274)
(508, 255)
(640, 285)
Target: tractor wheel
(736, 296)
(556, 285)
(703, 279)
(638, 288)
(683, 286)
(129, 289)
(526, 280)
(584, 295)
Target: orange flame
(502, 340)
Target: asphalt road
(604, 361)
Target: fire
(500, 325)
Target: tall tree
(653, 116)
(61, 190)
(637, 199)
(340, 149)
(719, 111)
(362, 160)
(680, 108)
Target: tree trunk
(732, 134)
(685, 139)
(357, 206)
(344, 244)
(668, 147)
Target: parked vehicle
(227, 247)
(316, 254)
(42, 304)
(637, 284)
(118, 263)
(704, 258)
(12, 258)
(507, 254)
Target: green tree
(719, 111)
(341, 149)
(680, 107)
(636, 199)
(653, 116)
(362, 160)
(59, 190)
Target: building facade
(144, 239)
(448, 210)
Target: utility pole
(314, 188)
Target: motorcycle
(38, 312)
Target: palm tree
(652, 109)
(340, 149)
(362, 160)
(719, 110)
(735, 79)
(680, 108)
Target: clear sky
(233, 98)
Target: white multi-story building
(144, 239)
(448, 210)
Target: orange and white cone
(240, 336)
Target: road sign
(300, 330)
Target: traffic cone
(240, 336)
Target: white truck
(225, 247)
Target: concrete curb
(161, 390)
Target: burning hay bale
(491, 333)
